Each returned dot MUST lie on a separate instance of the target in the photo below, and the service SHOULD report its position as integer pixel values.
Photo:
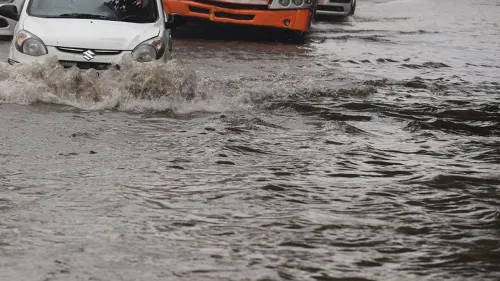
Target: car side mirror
(10, 12)
(174, 20)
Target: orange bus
(294, 15)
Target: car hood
(90, 33)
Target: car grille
(235, 6)
(199, 10)
(83, 64)
(86, 65)
(233, 16)
(80, 51)
(221, 14)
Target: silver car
(7, 25)
(337, 8)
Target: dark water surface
(371, 152)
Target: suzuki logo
(88, 55)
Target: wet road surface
(370, 152)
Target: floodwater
(369, 152)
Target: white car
(7, 25)
(90, 33)
(337, 8)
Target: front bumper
(258, 15)
(69, 57)
(333, 7)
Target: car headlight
(290, 4)
(149, 50)
(29, 44)
(284, 3)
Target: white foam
(135, 87)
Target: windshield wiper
(136, 18)
(85, 16)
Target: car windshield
(141, 11)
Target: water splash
(134, 87)
(162, 87)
